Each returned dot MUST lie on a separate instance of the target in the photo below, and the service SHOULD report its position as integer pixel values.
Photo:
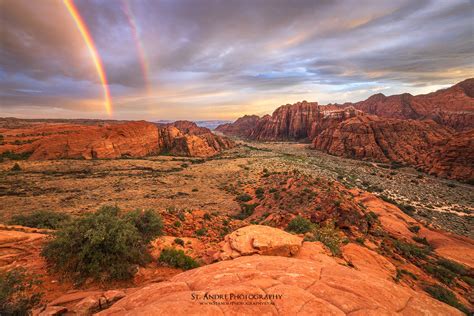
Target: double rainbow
(81, 26)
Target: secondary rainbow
(138, 43)
(81, 26)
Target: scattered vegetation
(299, 225)
(14, 156)
(329, 235)
(179, 241)
(201, 231)
(410, 251)
(414, 229)
(402, 272)
(177, 259)
(40, 219)
(421, 240)
(444, 295)
(246, 210)
(102, 245)
(17, 295)
(244, 198)
(147, 222)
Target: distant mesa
(104, 140)
(432, 132)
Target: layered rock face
(131, 139)
(453, 107)
(422, 144)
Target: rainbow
(138, 44)
(72, 9)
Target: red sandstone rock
(307, 288)
(131, 139)
(453, 107)
(241, 127)
(259, 239)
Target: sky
(211, 59)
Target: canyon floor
(212, 184)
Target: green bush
(177, 259)
(148, 223)
(179, 241)
(410, 251)
(99, 245)
(444, 295)
(421, 240)
(244, 198)
(40, 219)
(13, 156)
(414, 229)
(329, 236)
(207, 217)
(299, 225)
(201, 231)
(16, 293)
(440, 273)
(246, 210)
(453, 266)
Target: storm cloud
(221, 59)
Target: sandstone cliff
(130, 139)
(241, 127)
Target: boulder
(259, 239)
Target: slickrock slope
(282, 286)
(131, 139)
(453, 107)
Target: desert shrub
(440, 273)
(410, 251)
(148, 223)
(421, 240)
(444, 295)
(246, 210)
(453, 266)
(329, 236)
(402, 272)
(100, 245)
(201, 231)
(179, 241)
(16, 293)
(16, 167)
(414, 229)
(468, 280)
(244, 198)
(14, 156)
(360, 240)
(259, 192)
(177, 259)
(299, 225)
(40, 219)
(181, 216)
(177, 224)
(207, 217)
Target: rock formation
(258, 239)
(131, 139)
(422, 144)
(453, 107)
(241, 127)
(282, 286)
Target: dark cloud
(240, 49)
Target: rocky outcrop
(188, 127)
(175, 142)
(241, 127)
(131, 139)
(422, 144)
(278, 286)
(453, 107)
(258, 239)
(454, 158)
